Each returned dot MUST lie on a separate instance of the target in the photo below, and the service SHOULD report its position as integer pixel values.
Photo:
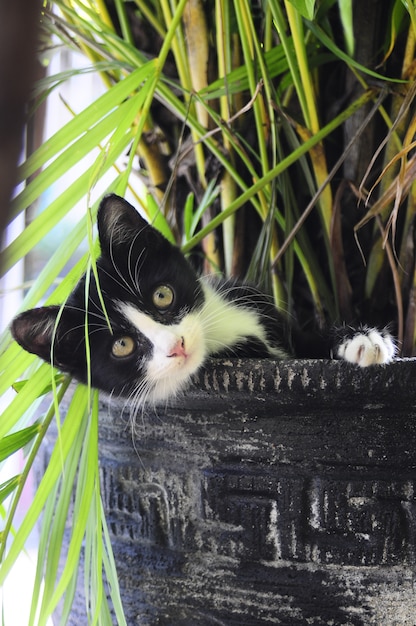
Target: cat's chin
(168, 376)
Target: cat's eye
(123, 346)
(163, 297)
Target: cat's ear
(34, 330)
(119, 223)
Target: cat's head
(147, 339)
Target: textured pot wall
(272, 493)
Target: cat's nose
(178, 349)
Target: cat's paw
(366, 346)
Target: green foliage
(243, 128)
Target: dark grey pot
(270, 493)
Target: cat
(160, 321)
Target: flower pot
(270, 493)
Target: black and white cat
(160, 321)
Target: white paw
(370, 347)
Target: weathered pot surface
(270, 493)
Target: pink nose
(178, 349)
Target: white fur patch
(217, 325)
(226, 323)
(167, 373)
(368, 348)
